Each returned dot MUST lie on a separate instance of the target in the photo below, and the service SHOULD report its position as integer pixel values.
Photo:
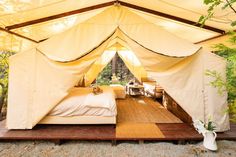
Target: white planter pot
(209, 141)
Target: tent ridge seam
(155, 51)
(83, 54)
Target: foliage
(210, 12)
(213, 4)
(218, 82)
(122, 72)
(232, 110)
(230, 85)
(210, 125)
(230, 55)
(105, 76)
(224, 51)
(202, 127)
(4, 69)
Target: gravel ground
(104, 149)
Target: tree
(224, 51)
(119, 68)
(213, 4)
(4, 69)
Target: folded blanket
(102, 100)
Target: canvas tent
(42, 76)
(32, 18)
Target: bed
(81, 106)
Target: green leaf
(208, 1)
(225, 6)
(233, 23)
(201, 19)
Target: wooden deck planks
(143, 110)
(183, 131)
(138, 131)
(148, 121)
(69, 132)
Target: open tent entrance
(115, 72)
(124, 57)
(118, 65)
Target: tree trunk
(1, 105)
(114, 60)
(2, 98)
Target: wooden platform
(138, 119)
(171, 132)
(143, 110)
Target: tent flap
(101, 26)
(35, 87)
(212, 97)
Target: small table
(135, 90)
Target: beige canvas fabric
(34, 86)
(71, 56)
(212, 96)
(97, 28)
(32, 82)
(22, 11)
(184, 79)
(15, 12)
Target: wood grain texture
(137, 121)
(183, 131)
(143, 110)
(64, 132)
(171, 105)
(138, 130)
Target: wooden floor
(138, 119)
(143, 110)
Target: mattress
(82, 102)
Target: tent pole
(18, 35)
(172, 17)
(154, 12)
(61, 15)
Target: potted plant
(208, 132)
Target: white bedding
(82, 102)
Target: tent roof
(41, 19)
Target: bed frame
(78, 120)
